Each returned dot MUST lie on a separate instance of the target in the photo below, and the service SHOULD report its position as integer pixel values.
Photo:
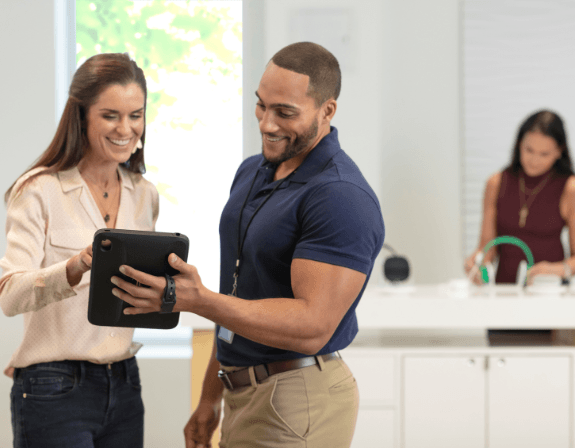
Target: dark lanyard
(243, 240)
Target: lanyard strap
(241, 241)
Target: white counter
(435, 307)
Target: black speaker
(396, 269)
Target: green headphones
(504, 240)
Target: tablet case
(145, 251)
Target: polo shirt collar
(315, 161)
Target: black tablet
(145, 251)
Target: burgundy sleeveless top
(542, 228)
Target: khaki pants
(313, 407)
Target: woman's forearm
(22, 292)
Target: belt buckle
(224, 377)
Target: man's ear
(328, 110)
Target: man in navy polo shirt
(299, 237)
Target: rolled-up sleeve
(25, 285)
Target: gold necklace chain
(526, 203)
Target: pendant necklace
(105, 195)
(525, 202)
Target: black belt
(241, 378)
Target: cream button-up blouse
(48, 222)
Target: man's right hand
(202, 424)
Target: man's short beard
(299, 145)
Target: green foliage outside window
(163, 37)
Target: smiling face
(538, 153)
(115, 123)
(290, 122)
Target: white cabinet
(528, 401)
(463, 397)
(495, 401)
(375, 429)
(376, 373)
(443, 403)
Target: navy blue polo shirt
(325, 212)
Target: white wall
(398, 114)
(421, 171)
(27, 124)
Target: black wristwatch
(169, 297)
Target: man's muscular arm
(322, 295)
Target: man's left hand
(149, 299)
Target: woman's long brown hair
(68, 145)
(550, 124)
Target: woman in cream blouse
(76, 384)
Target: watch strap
(169, 297)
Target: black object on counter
(396, 268)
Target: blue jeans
(78, 404)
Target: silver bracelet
(567, 270)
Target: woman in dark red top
(532, 199)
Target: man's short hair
(316, 62)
